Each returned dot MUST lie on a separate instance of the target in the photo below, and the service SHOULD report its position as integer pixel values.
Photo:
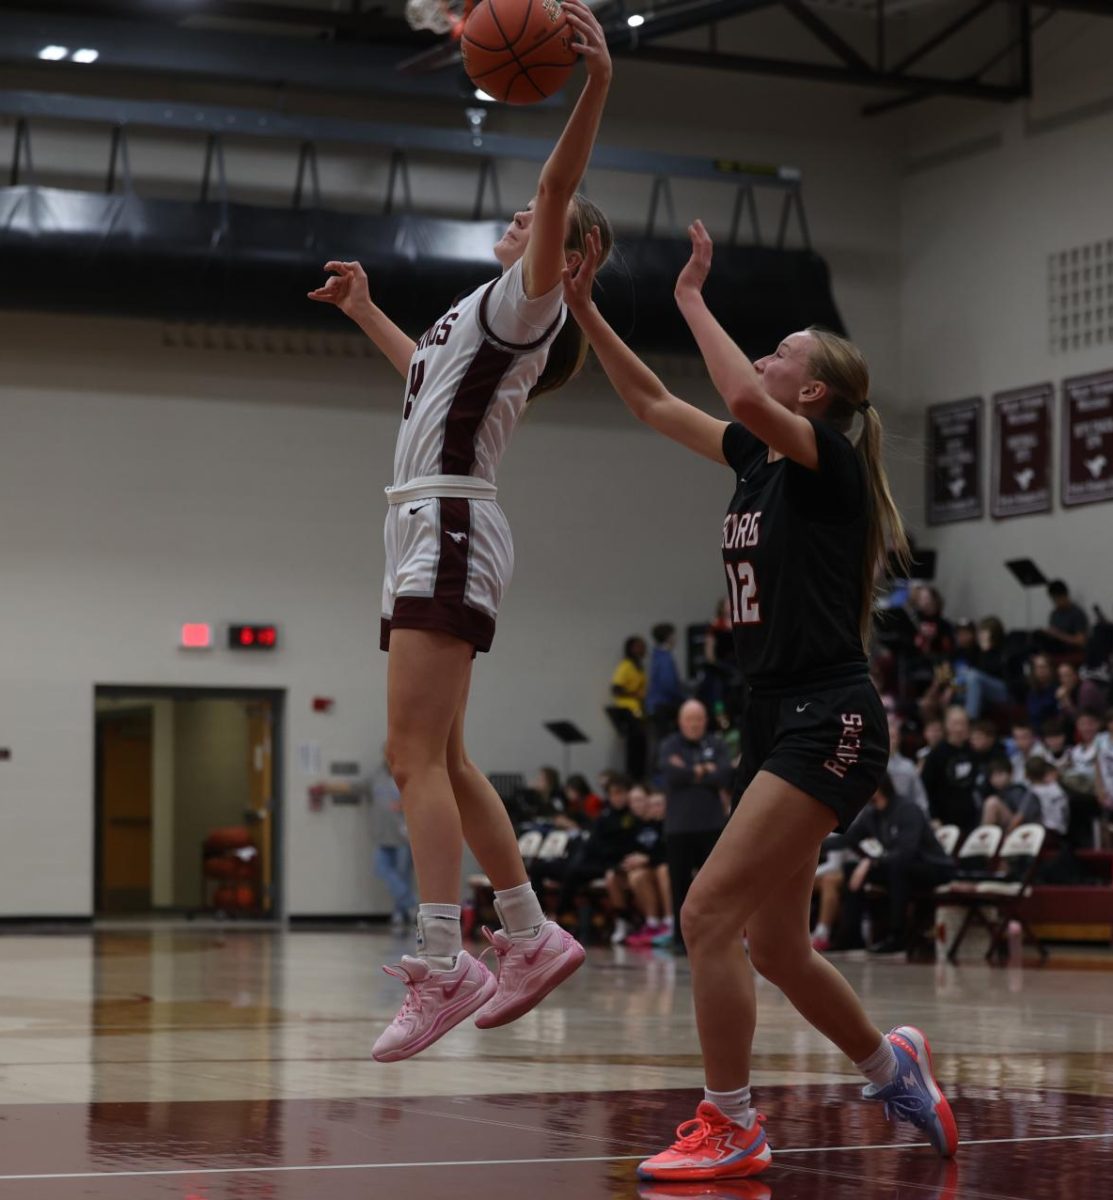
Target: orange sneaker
(710, 1147)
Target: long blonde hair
(839, 364)
(569, 350)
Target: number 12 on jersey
(743, 593)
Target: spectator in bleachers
(912, 860)
(1105, 775)
(696, 767)
(665, 692)
(545, 801)
(1048, 803)
(950, 774)
(828, 888)
(1022, 746)
(1097, 668)
(932, 735)
(582, 804)
(1067, 625)
(1041, 700)
(613, 836)
(1066, 694)
(1055, 747)
(986, 747)
(903, 771)
(1005, 804)
(627, 706)
(934, 633)
(647, 873)
(1082, 761)
(719, 668)
(983, 679)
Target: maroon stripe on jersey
(517, 347)
(469, 406)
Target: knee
(405, 757)
(700, 924)
(779, 960)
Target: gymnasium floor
(205, 1065)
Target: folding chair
(529, 845)
(1019, 857)
(974, 861)
(947, 836)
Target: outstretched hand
(578, 280)
(347, 287)
(592, 43)
(698, 267)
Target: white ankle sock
(735, 1106)
(881, 1065)
(821, 931)
(519, 910)
(438, 934)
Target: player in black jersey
(805, 534)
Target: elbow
(551, 189)
(744, 400)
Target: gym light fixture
(635, 20)
(480, 94)
(54, 53)
(86, 56)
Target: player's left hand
(592, 43)
(694, 275)
(579, 277)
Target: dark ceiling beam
(945, 34)
(820, 73)
(369, 20)
(834, 42)
(679, 18)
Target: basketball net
(438, 16)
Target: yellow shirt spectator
(628, 682)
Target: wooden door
(124, 742)
(260, 773)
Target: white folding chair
(1019, 858)
(529, 845)
(947, 836)
(974, 861)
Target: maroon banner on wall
(1087, 439)
(954, 461)
(1021, 476)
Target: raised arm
(732, 373)
(641, 390)
(565, 167)
(347, 288)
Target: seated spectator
(1041, 700)
(696, 767)
(1005, 803)
(627, 706)
(934, 633)
(1047, 804)
(1105, 776)
(1082, 758)
(903, 771)
(950, 774)
(544, 802)
(1096, 671)
(613, 836)
(981, 678)
(1067, 625)
(1021, 746)
(665, 693)
(984, 743)
(932, 735)
(1055, 748)
(912, 860)
(581, 803)
(1066, 694)
(646, 872)
(828, 888)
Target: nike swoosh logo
(801, 707)
(419, 507)
(450, 989)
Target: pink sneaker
(643, 939)
(529, 969)
(710, 1147)
(437, 1001)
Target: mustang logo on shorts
(457, 537)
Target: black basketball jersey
(793, 544)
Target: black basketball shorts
(832, 743)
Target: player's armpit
(786, 432)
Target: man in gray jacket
(696, 768)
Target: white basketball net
(434, 15)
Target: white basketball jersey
(470, 378)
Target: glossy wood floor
(234, 1066)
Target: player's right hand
(698, 267)
(347, 287)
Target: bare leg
(830, 896)
(664, 888)
(773, 836)
(486, 824)
(616, 889)
(781, 951)
(994, 812)
(645, 892)
(427, 677)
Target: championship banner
(954, 461)
(1087, 439)
(1021, 476)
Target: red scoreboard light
(252, 637)
(196, 636)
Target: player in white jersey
(449, 557)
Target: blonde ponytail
(840, 365)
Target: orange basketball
(518, 51)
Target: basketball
(518, 51)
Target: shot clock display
(252, 637)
